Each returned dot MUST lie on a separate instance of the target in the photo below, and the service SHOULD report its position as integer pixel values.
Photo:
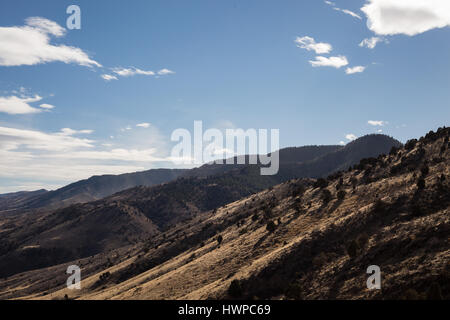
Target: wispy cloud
(47, 106)
(108, 77)
(132, 71)
(350, 136)
(371, 42)
(163, 72)
(356, 69)
(346, 11)
(335, 62)
(310, 44)
(350, 13)
(143, 125)
(377, 123)
(128, 72)
(30, 45)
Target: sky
(105, 98)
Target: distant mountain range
(51, 235)
(295, 162)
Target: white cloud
(377, 123)
(30, 45)
(143, 125)
(330, 3)
(17, 105)
(341, 143)
(128, 72)
(164, 71)
(108, 77)
(335, 62)
(371, 42)
(310, 44)
(350, 136)
(350, 13)
(357, 69)
(47, 106)
(409, 17)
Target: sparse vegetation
(341, 195)
(271, 226)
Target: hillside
(50, 237)
(302, 239)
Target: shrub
(379, 206)
(270, 226)
(421, 183)
(341, 195)
(267, 214)
(235, 289)
(243, 231)
(425, 170)
(410, 144)
(326, 196)
(362, 240)
(353, 249)
(219, 239)
(320, 183)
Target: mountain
(9, 201)
(322, 159)
(50, 236)
(91, 189)
(298, 240)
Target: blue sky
(232, 64)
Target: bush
(320, 183)
(410, 144)
(341, 195)
(271, 226)
(219, 239)
(379, 206)
(362, 240)
(235, 289)
(421, 183)
(425, 170)
(326, 196)
(353, 249)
